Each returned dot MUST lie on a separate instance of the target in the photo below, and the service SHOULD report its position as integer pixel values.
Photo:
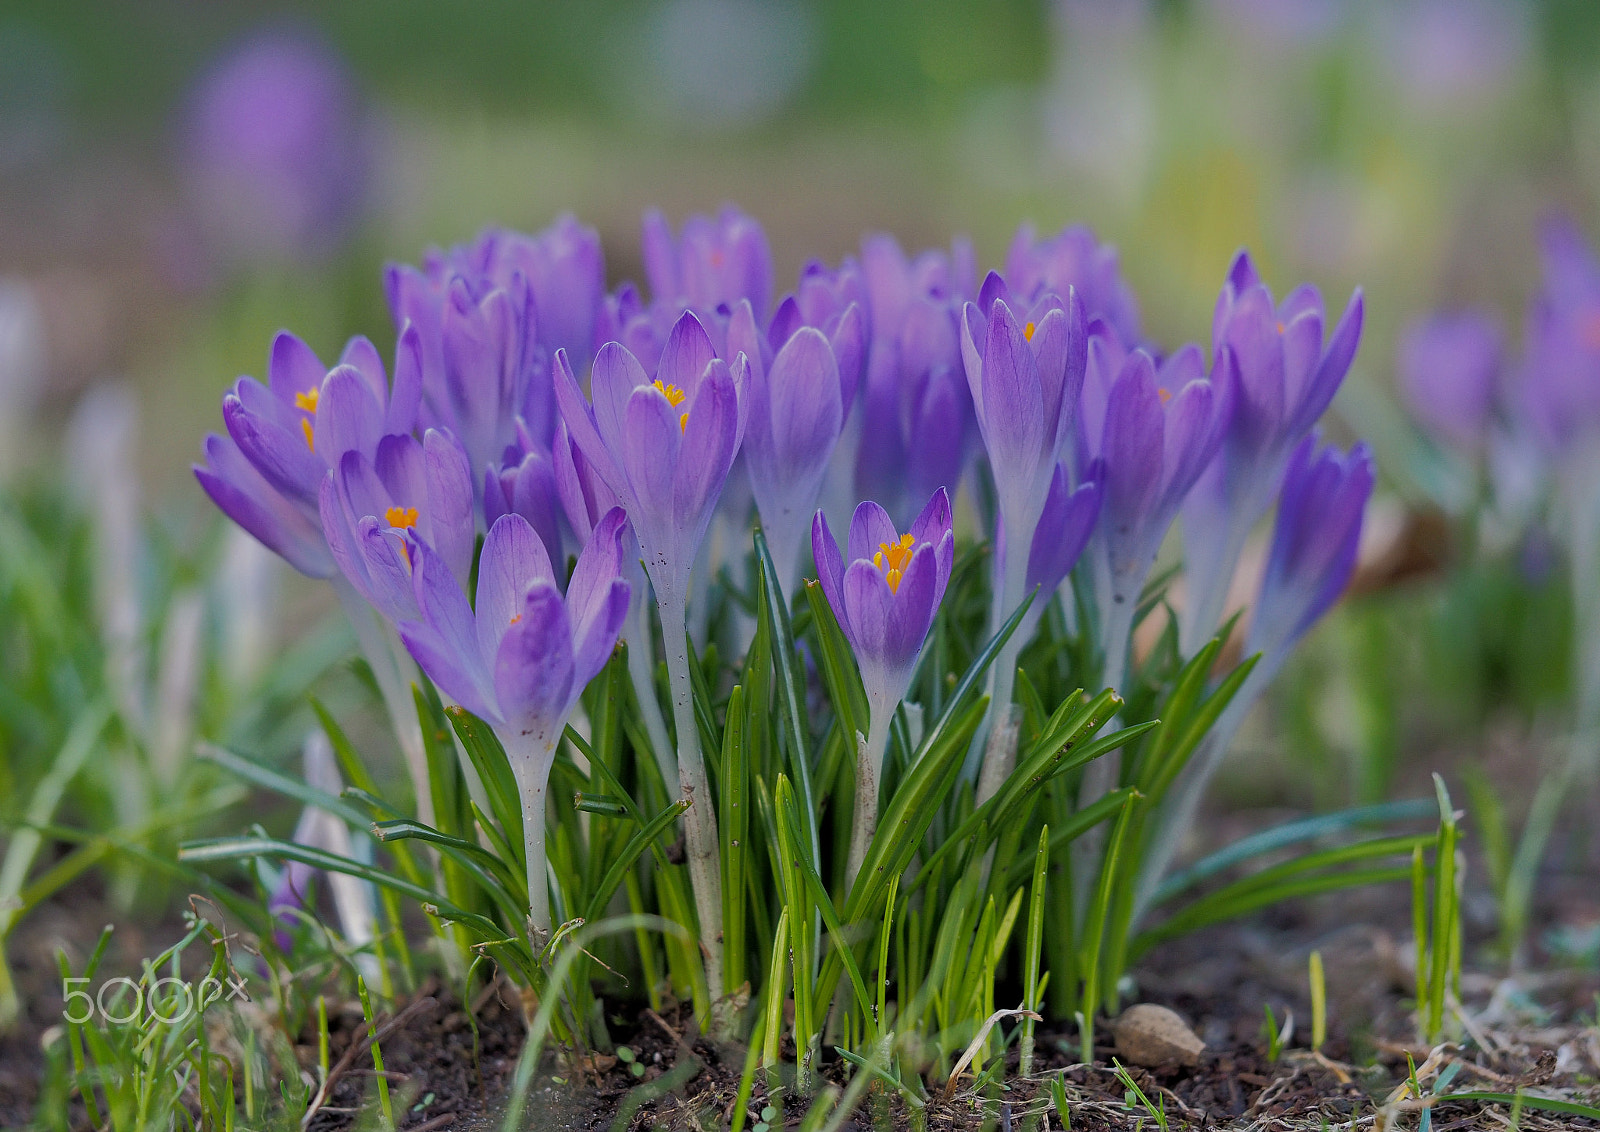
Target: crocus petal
(279, 454)
(807, 408)
(533, 671)
(245, 496)
(652, 438)
(445, 641)
(448, 486)
(868, 605)
(512, 559)
(911, 613)
(710, 441)
(686, 355)
(293, 367)
(830, 570)
(1336, 360)
(349, 417)
(406, 396)
(870, 527)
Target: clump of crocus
(884, 592)
(1282, 378)
(521, 654)
(665, 445)
(715, 263)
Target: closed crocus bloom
(1284, 377)
(915, 406)
(1073, 259)
(714, 263)
(1065, 525)
(884, 591)
(665, 446)
(1314, 544)
(1024, 367)
(797, 407)
(1448, 364)
(525, 483)
(521, 654)
(372, 509)
(284, 436)
(1153, 429)
(834, 302)
(566, 270)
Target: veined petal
(246, 497)
(1330, 374)
(293, 367)
(686, 355)
(650, 453)
(405, 398)
(282, 458)
(869, 526)
(513, 559)
(533, 670)
(710, 441)
(448, 493)
(1013, 405)
(911, 610)
(445, 641)
(349, 418)
(830, 571)
(617, 373)
(807, 408)
(579, 418)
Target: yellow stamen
(517, 618)
(1027, 332)
(307, 402)
(401, 517)
(675, 397)
(1164, 394)
(893, 558)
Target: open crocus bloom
(520, 657)
(284, 436)
(885, 591)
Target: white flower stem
(641, 653)
(999, 759)
(700, 820)
(394, 689)
(531, 757)
(870, 749)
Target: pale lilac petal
(533, 672)
(512, 559)
(870, 526)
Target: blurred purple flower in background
(1448, 365)
(1559, 388)
(715, 262)
(1074, 259)
(1451, 55)
(277, 150)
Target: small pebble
(1149, 1035)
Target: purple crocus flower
(372, 510)
(884, 592)
(1073, 259)
(1025, 373)
(526, 484)
(916, 416)
(797, 409)
(1314, 543)
(521, 654)
(489, 316)
(1065, 526)
(585, 499)
(665, 447)
(714, 263)
(1448, 365)
(1154, 428)
(283, 437)
(1283, 377)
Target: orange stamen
(675, 397)
(1027, 331)
(401, 517)
(892, 558)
